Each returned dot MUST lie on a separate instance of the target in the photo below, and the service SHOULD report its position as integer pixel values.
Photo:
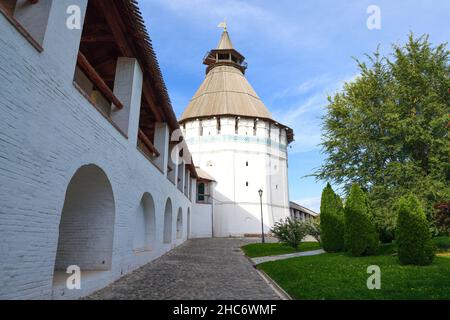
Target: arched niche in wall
(180, 224)
(144, 229)
(167, 236)
(188, 218)
(86, 229)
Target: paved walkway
(286, 256)
(200, 269)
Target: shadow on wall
(231, 219)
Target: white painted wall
(201, 216)
(201, 221)
(48, 131)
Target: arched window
(201, 192)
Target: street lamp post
(262, 218)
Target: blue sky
(298, 52)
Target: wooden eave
(128, 31)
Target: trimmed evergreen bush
(331, 221)
(361, 237)
(413, 234)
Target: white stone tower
(233, 137)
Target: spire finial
(223, 25)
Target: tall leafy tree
(331, 221)
(388, 129)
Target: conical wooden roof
(225, 91)
(225, 42)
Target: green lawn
(337, 276)
(442, 243)
(272, 249)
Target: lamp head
(260, 192)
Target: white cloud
(307, 86)
(305, 116)
(244, 18)
(310, 203)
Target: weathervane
(223, 25)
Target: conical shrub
(413, 234)
(331, 221)
(360, 236)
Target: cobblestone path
(200, 269)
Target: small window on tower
(200, 128)
(246, 164)
(246, 184)
(224, 56)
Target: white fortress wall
(51, 134)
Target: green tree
(387, 129)
(331, 221)
(360, 236)
(312, 228)
(413, 235)
(443, 217)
